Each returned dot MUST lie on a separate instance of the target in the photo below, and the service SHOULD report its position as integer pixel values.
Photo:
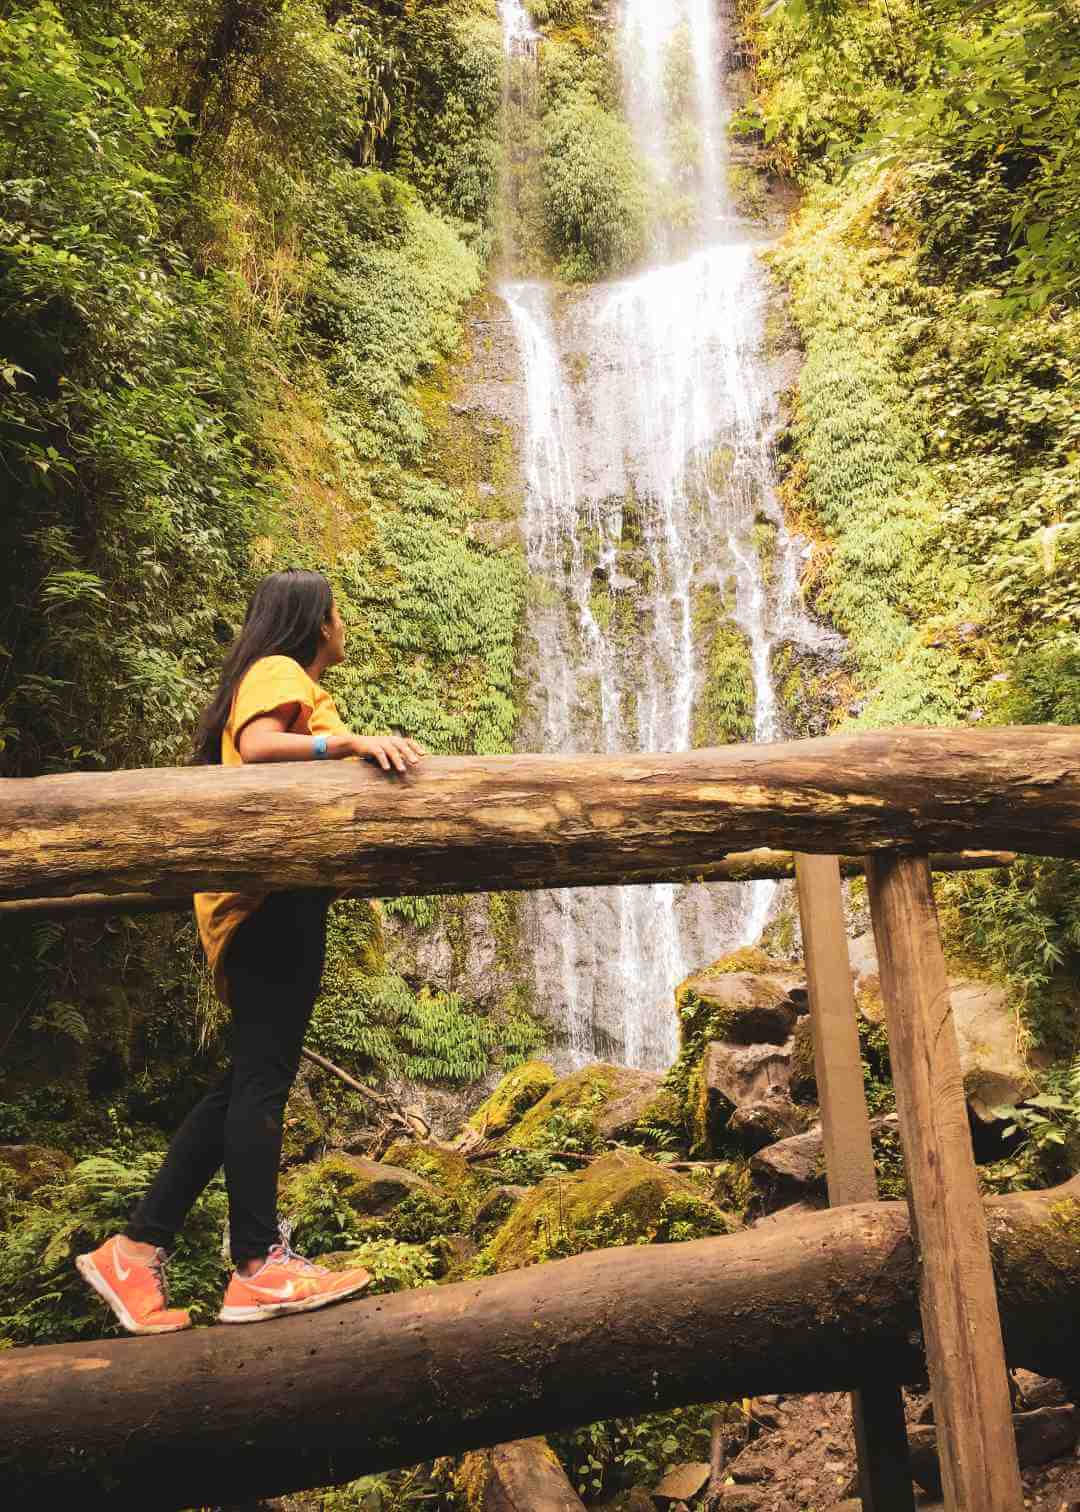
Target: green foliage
(724, 707)
(991, 88)
(615, 1455)
(934, 270)
(187, 245)
(45, 1299)
(594, 189)
(122, 427)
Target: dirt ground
(804, 1456)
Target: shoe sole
(262, 1311)
(84, 1264)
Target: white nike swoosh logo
(278, 1293)
(120, 1271)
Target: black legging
(273, 967)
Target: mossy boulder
(496, 1206)
(31, 1166)
(518, 1091)
(621, 1198)
(446, 1169)
(438, 1163)
(369, 1187)
(803, 1079)
(771, 1118)
(597, 1103)
(740, 1096)
(742, 1007)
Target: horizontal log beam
(221, 1415)
(480, 824)
(744, 866)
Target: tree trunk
(478, 824)
(742, 866)
(521, 1477)
(819, 1303)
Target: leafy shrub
(46, 1301)
(595, 191)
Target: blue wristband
(320, 748)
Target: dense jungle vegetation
(239, 240)
(934, 458)
(236, 242)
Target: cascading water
(648, 483)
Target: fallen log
(478, 824)
(743, 866)
(218, 1415)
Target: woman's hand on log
(396, 751)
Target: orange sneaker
(136, 1290)
(287, 1283)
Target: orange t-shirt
(269, 684)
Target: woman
(266, 952)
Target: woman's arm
(268, 739)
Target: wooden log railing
(480, 824)
(484, 824)
(761, 865)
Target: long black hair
(284, 618)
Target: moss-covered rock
(803, 1083)
(622, 1198)
(497, 1205)
(31, 1166)
(582, 1110)
(518, 1091)
(745, 1007)
(437, 1163)
(369, 1188)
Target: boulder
(597, 1103)
(793, 1170)
(681, 1483)
(803, 1077)
(622, 1198)
(496, 1206)
(437, 1163)
(32, 1166)
(514, 1095)
(734, 1075)
(743, 1089)
(773, 1117)
(746, 1007)
(995, 1073)
(369, 1187)
(1042, 1435)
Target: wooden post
(877, 1408)
(957, 1298)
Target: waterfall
(648, 482)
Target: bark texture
(521, 1477)
(219, 1415)
(742, 866)
(478, 824)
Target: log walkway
(227, 1415)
